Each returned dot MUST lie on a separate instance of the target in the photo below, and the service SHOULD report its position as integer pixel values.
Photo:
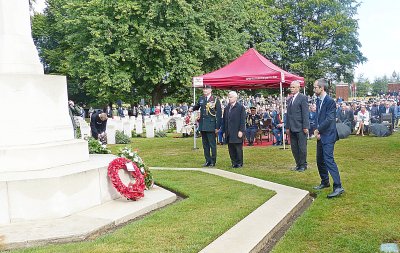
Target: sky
(379, 35)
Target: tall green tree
(319, 37)
(123, 49)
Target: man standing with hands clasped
(297, 126)
(209, 124)
(234, 128)
(326, 137)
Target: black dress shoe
(336, 192)
(211, 165)
(207, 164)
(321, 186)
(301, 169)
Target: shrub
(95, 147)
(121, 138)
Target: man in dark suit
(298, 125)
(234, 128)
(209, 124)
(98, 123)
(386, 110)
(345, 116)
(326, 134)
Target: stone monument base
(55, 192)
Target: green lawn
(359, 221)
(367, 215)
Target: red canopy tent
(250, 71)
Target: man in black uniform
(252, 124)
(98, 123)
(209, 125)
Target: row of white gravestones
(152, 124)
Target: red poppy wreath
(133, 191)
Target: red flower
(131, 191)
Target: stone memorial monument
(44, 172)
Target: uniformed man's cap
(252, 108)
(206, 86)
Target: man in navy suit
(297, 125)
(326, 137)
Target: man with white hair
(234, 128)
(297, 125)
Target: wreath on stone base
(138, 161)
(135, 189)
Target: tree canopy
(134, 49)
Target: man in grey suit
(297, 125)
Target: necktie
(318, 104)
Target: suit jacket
(348, 116)
(391, 110)
(326, 121)
(234, 121)
(298, 114)
(210, 113)
(97, 125)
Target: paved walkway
(253, 232)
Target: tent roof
(249, 71)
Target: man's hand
(305, 130)
(287, 132)
(240, 134)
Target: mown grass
(214, 204)
(359, 221)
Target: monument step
(42, 156)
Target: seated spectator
(277, 128)
(252, 125)
(388, 109)
(363, 119)
(345, 116)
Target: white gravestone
(165, 123)
(110, 130)
(139, 126)
(132, 124)
(127, 129)
(179, 124)
(159, 125)
(149, 129)
(85, 129)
